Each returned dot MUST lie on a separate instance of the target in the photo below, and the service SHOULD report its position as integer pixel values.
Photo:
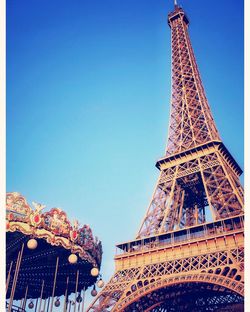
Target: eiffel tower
(189, 251)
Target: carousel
(50, 263)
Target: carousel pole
(69, 305)
(41, 297)
(19, 259)
(25, 297)
(36, 304)
(54, 286)
(77, 277)
(44, 304)
(8, 278)
(48, 305)
(83, 299)
(21, 303)
(12, 288)
(79, 304)
(66, 294)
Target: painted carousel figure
(50, 263)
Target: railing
(190, 234)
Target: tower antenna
(175, 3)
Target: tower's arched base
(191, 297)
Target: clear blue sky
(88, 92)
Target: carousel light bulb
(32, 243)
(100, 283)
(72, 258)
(93, 292)
(31, 305)
(79, 298)
(57, 302)
(94, 272)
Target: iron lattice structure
(189, 251)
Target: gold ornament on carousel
(74, 232)
(35, 216)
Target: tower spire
(191, 121)
(184, 196)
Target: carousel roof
(56, 239)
